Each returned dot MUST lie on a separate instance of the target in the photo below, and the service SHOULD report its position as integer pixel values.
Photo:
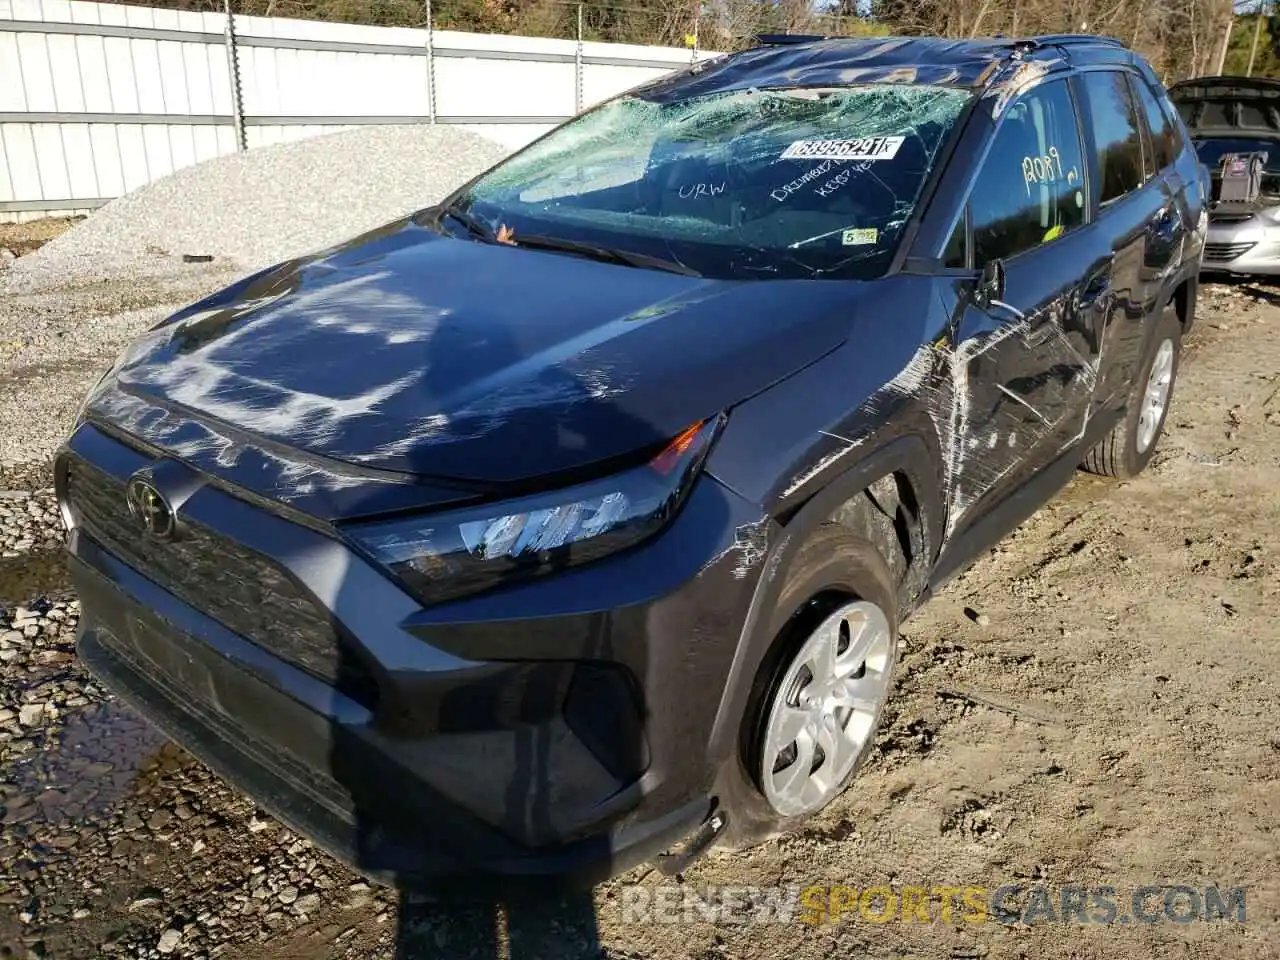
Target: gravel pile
(266, 205)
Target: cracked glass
(756, 184)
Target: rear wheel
(1128, 448)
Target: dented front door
(1024, 363)
(1025, 371)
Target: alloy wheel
(825, 709)
(1156, 396)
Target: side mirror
(990, 283)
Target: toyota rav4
(570, 522)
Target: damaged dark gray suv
(570, 522)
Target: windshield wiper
(608, 254)
(474, 226)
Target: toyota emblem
(150, 508)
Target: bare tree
(1180, 38)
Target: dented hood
(444, 358)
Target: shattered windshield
(748, 184)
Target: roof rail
(1026, 43)
(1066, 39)
(778, 38)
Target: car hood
(1229, 106)
(412, 352)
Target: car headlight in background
(448, 555)
(1269, 216)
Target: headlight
(1269, 217)
(443, 556)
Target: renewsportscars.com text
(1006, 904)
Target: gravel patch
(107, 828)
(28, 522)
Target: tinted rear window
(1163, 139)
(1115, 134)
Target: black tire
(830, 570)
(1117, 454)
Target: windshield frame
(905, 243)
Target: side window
(1176, 129)
(1031, 187)
(1115, 134)
(1163, 145)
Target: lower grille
(1227, 217)
(241, 589)
(1226, 251)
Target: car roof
(815, 61)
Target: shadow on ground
(550, 927)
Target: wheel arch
(904, 468)
(1181, 295)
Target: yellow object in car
(1053, 233)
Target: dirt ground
(1096, 703)
(22, 238)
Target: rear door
(1024, 365)
(1168, 231)
(1136, 217)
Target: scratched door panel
(1129, 205)
(1025, 366)
(1029, 368)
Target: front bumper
(552, 730)
(1245, 247)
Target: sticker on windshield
(863, 148)
(859, 236)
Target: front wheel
(821, 717)
(1128, 448)
(818, 696)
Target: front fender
(913, 454)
